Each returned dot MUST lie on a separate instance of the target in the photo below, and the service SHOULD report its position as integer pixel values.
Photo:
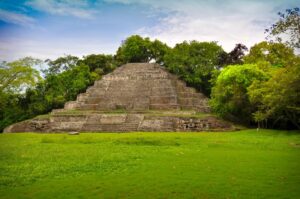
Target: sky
(47, 29)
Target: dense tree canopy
(17, 75)
(195, 62)
(49, 93)
(268, 93)
(277, 54)
(61, 64)
(101, 64)
(229, 95)
(138, 49)
(278, 98)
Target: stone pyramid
(134, 97)
(140, 86)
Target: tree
(102, 64)
(134, 49)
(138, 49)
(229, 97)
(49, 93)
(11, 109)
(17, 75)
(277, 54)
(194, 62)
(158, 50)
(278, 98)
(287, 25)
(61, 64)
(235, 56)
(65, 86)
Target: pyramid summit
(134, 97)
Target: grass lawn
(245, 164)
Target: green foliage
(11, 108)
(287, 25)
(276, 54)
(194, 62)
(247, 165)
(50, 93)
(229, 97)
(17, 75)
(138, 49)
(266, 92)
(158, 51)
(134, 49)
(60, 88)
(279, 98)
(101, 64)
(61, 64)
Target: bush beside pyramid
(134, 97)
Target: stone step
(188, 107)
(82, 97)
(164, 106)
(109, 127)
(180, 83)
(172, 99)
(188, 101)
(163, 90)
(96, 100)
(71, 105)
(187, 94)
(203, 109)
(88, 107)
(162, 93)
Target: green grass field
(245, 164)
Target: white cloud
(78, 8)
(16, 18)
(16, 48)
(229, 22)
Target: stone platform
(134, 97)
(86, 121)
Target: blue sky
(51, 28)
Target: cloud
(16, 18)
(229, 22)
(15, 48)
(78, 8)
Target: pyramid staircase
(140, 87)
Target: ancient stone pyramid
(134, 97)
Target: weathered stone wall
(119, 123)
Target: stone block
(113, 119)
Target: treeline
(261, 88)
